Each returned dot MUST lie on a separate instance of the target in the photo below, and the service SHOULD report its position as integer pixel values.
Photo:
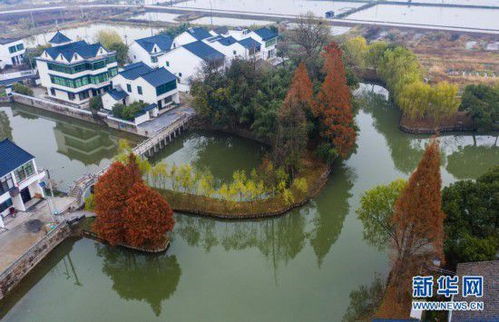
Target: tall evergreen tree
(333, 103)
(291, 139)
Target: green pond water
(298, 267)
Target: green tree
(482, 103)
(32, 53)
(22, 89)
(376, 210)
(356, 50)
(471, 225)
(111, 40)
(175, 30)
(96, 103)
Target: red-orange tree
(333, 103)
(418, 231)
(291, 139)
(148, 217)
(111, 192)
(121, 192)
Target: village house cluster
(75, 71)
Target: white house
(191, 35)
(75, 71)
(11, 52)
(19, 179)
(147, 50)
(228, 46)
(265, 36)
(187, 61)
(141, 83)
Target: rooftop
(159, 76)
(199, 33)
(134, 71)
(155, 77)
(227, 41)
(249, 43)
(204, 51)
(4, 41)
(69, 50)
(490, 272)
(117, 94)
(164, 42)
(12, 157)
(265, 33)
(59, 38)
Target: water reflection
(471, 161)
(218, 153)
(5, 128)
(332, 209)
(69, 147)
(138, 276)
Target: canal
(299, 267)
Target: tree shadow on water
(152, 278)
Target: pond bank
(315, 172)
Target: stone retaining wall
(78, 113)
(22, 266)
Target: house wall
(108, 102)
(138, 54)
(6, 56)
(267, 52)
(228, 51)
(182, 63)
(60, 91)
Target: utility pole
(53, 208)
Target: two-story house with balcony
(228, 46)
(140, 83)
(19, 179)
(11, 52)
(76, 71)
(147, 50)
(268, 40)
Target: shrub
(22, 89)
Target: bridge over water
(156, 142)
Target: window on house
(128, 88)
(5, 205)
(139, 90)
(154, 59)
(71, 96)
(52, 91)
(161, 89)
(24, 171)
(167, 64)
(6, 184)
(234, 52)
(179, 74)
(12, 49)
(134, 57)
(84, 95)
(20, 47)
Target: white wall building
(141, 83)
(228, 46)
(191, 35)
(147, 50)
(19, 179)
(11, 52)
(187, 61)
(265, 36)
(75, 71)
